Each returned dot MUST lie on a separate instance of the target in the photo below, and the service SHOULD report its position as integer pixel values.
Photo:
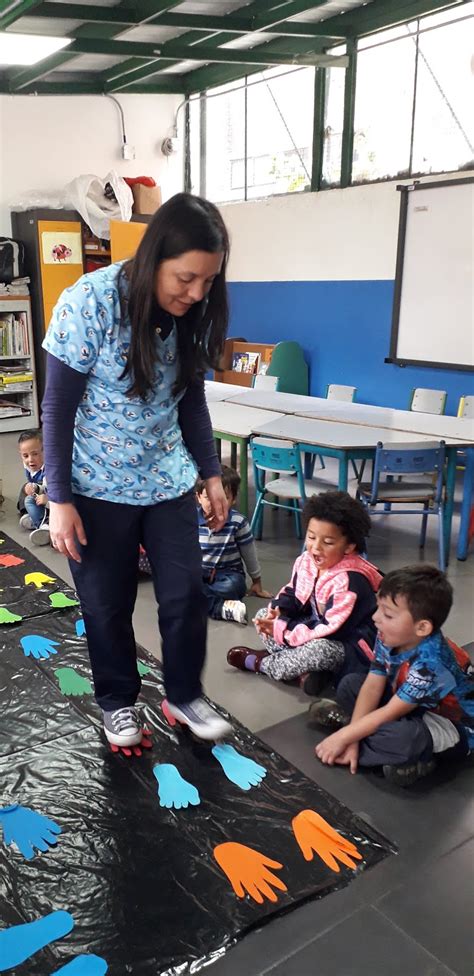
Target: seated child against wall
(224, 554)
(322, 620)
(416, 705)
(33, 500)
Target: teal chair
(273, 456)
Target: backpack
(12, 260)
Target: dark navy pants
(224, 586)
(394, 743)
(106, 582)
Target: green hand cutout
(142, 668)
(8, 618)
(72, 683)
(59, 600)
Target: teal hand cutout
(34, 645)
(6, 617)
(28, 829)
(59, 600)
(174, 791)
(239, 769)
(80, 627)
(72, 683)
(143, 669)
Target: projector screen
(433, 320)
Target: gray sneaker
(40, 537)
(26, 522)
(201, 719)
(327, 713)
(123, 727)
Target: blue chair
(423, 459)
(271, 455)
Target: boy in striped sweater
(227, 554)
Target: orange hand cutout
(247, 871)
(313, 833)
(9, 560)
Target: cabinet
(18, 380)
(284, 359)
(59, 248)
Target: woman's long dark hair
(183, 223)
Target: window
(195, 144)
(333, 122)
(225, 143)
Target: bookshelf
(18, 392)
(283, 359)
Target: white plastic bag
(86, 194)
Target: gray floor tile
(365, 944)
(435, 907)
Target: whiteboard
(433, 315)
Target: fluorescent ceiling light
(28, 48)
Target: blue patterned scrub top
(125, 449)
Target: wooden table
(234, 424)
(353, 442)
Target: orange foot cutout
(247, 871)
(314, 834)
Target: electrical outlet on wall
(128, 151)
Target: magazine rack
(285, 360)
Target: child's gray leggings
(285, 663)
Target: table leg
(468, 487)
(342, 471)
(449, 506)
(244, 486)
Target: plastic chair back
(271, 454)
(264, 382)
(466, 406)
(402, 459)
(337, 392)
(428, 401)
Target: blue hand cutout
(34, 645)
(83, 966)
(28, 830)
(80, 627)
(240, 770)
(174, 791)
(20, 942)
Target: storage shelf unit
(27, 399)
(284, 360)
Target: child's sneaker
(122, 727)
(26, 522)
(313, 682)
(408, 773)
(234, 610)
(327, 713)
(40, 537)
(200, 719)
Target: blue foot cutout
(83, 966)
(20, 942)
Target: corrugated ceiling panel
(42, 25)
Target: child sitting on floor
(224, 554)
(322, 620)
(417, 702)
(33, 499)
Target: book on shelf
(245, 362)
(9, 379)
(8, 408)
(19, 387)
(14, 339)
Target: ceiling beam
(282, 11)
(260, 55)
(9, 14)
(129, 17)
(384, 13)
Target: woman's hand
(65, 527)
(219, 503)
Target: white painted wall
(45, 141)
(335, 235)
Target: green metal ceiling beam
(347, 149)
(281, 12)
(9, 16)
(383, 13)
(129, 16)
(260, 55)
(122, 81)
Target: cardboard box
(146, 199)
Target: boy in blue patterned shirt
(227, 554)
(417, 702)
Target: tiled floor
(410, 915)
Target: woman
(126, 430)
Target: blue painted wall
(344, 329)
